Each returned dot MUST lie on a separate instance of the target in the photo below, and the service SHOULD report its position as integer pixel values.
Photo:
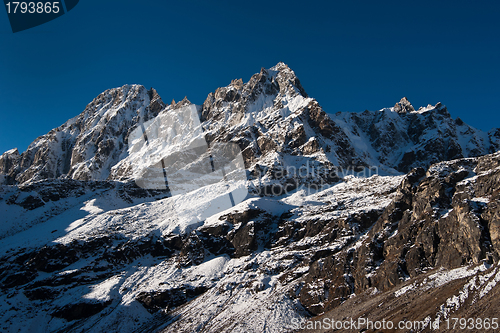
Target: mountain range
(396, 215)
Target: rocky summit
(390, 214)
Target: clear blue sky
(349, 55)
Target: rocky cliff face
(82, 248)
(9, 162)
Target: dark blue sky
(349, 55)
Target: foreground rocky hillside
(266, 263)
(396, 216)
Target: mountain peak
(404, 106)
(280, 66)
(287, 80)
(153, 94)
(237, 83)
(11, 152)
(185, 101)
(115, 96)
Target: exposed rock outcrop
(443, 218)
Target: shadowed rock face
(9, 165)
(80, 310)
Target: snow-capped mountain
(272, 120)
(88, 145)
(397, 206)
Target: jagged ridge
(273, 121)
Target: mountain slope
(262, 265)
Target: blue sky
(349, 55)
